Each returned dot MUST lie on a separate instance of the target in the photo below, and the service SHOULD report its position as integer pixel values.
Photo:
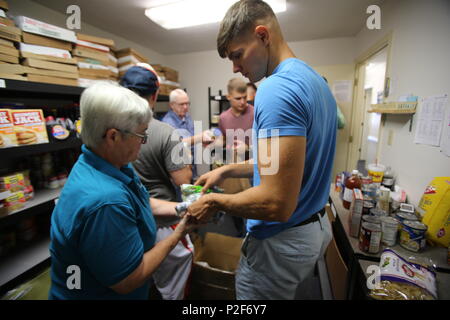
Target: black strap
(313, 218)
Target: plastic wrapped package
(405, 279)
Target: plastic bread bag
(405, 279)
(190, 194)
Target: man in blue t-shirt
(294, 146)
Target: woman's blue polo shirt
(101, 227)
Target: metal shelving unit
(223, 105)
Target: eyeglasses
(144, 137)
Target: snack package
(402, 279)
(7, 134)
(190, 194)
(13, 182)
(434, 207)
(29, 125)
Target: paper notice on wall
(342, 90)
(430, 120)
(446, 142)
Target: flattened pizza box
(94, 39)
(44, 29)
(91, 45)
(90, 53)
(24, 54)
(6, 43)
(131, 52)
(7, 134)
(53, 80)
(12, 76)
(50, 73)
(7, 21)
(31, 38)
(29, 125)
(4, 5)
(43, 50)
(35, 63)
(95, 73)
(10, 33)
(10, 68)
(8, 58)
(9, 51)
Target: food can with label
(367, 206)
(378, 212)
(403, 216)
(371, 219)
(412, 235)
(389, 227)
(370, 237)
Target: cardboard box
(10, 33)
(43, 50)
(94, 39)
(127, 60)
(86, 65)
(215, 262)
(166, 89)
(7, 134)
(9, 51)
(44, 29)
(170, 74)
(8, 58)
(94, 73)
(46, 41)
(12, 182)
(35, 63)
(337, 271)
(4, 5)
(356, 209)
(12, 77)
(50, 73)
(6, 43)
(131, 52)
(7, 21)
(44, 57)
(90, 53)
(11, 68)
(92, 45)
(29, 125)
(89, 60)
(53, 80)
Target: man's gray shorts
(273, 268)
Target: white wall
(36, 11)
(420, 65)
(200, 70)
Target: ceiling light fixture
(175, 14)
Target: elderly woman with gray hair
(103, 231)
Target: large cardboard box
(94, 39)
(46, 41)
(131, 52)
(7, 135)
(216, 258)
(35, 63)
(44, 29)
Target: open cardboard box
(216, 258)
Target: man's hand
(211, 179)
(187, 224)
(203, 209)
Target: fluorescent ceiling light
(174, 14)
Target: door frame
(356, 122)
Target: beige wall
(420, 65)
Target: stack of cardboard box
(128, 57)
(168, 77)
(9, 36)
(44, 53)
(94, 59)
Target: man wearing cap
(162, 170)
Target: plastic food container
(376, 171)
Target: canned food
(367, 205)
(371, 219)
(389, 227)
(412, 235)
(378, 212)
(370, 237)
(403, 216)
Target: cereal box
(7, 134)
(29, 126)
